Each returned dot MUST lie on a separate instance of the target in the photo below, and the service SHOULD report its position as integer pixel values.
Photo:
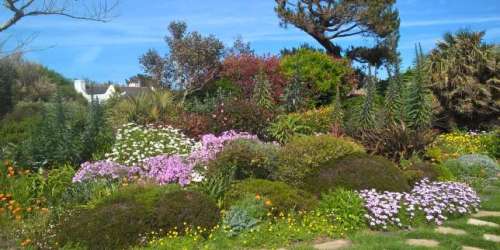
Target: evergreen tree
(262, 91)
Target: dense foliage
(280, 196)
(303, 155)
(356, 172)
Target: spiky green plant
(262, 91)
(418, 105)
(366, 116)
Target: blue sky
(110, 51)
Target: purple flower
(435, 200)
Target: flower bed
(436, 201)
(163, 168)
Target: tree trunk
(331, 49)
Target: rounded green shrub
(434, 172)
(485, 165)
(247, 158)
(280, 196)
(181, 208)
(356, 172)
(304, 154)
(122, 219)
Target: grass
(396, 240)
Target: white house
(102, 93)
(99, 93)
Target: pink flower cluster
(100, 169)
(211, 145)
(163, 169)
(436, 200)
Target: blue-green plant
(244, 215)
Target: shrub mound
(304, 154)
(282, 197)
(182, 208)
(485, 164)
(425, 170)
(356, 172)
(248, 159)
(120, 220)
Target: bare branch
(100, 11)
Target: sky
(110, 51)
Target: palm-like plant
(465, 77)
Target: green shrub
(488, 166)
(121, 219)
(112, 225)
(344, 208)
(474, 169)
(181, 209)
(281, 196)
(434, 172)
(247, 158)
(320, 72)
(356, 172)
(302, 155)
(305, 123)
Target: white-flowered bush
(435, 201)
(134, 143)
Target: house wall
(79, 86)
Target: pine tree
(262, 91)
(418, 107)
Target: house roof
(133, 91)
(96, 89)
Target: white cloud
(435, 22)
(89, 56)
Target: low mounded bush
(305, 154)
(180, 209)
(247, 158)
(420, 170)
(121, 219)
(487, 166)
(473, 169)
(356, 172)
(280, 196)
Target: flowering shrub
(436, 201)
(164, 168)
(455, 144)
(101, 169)
(136, 143)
